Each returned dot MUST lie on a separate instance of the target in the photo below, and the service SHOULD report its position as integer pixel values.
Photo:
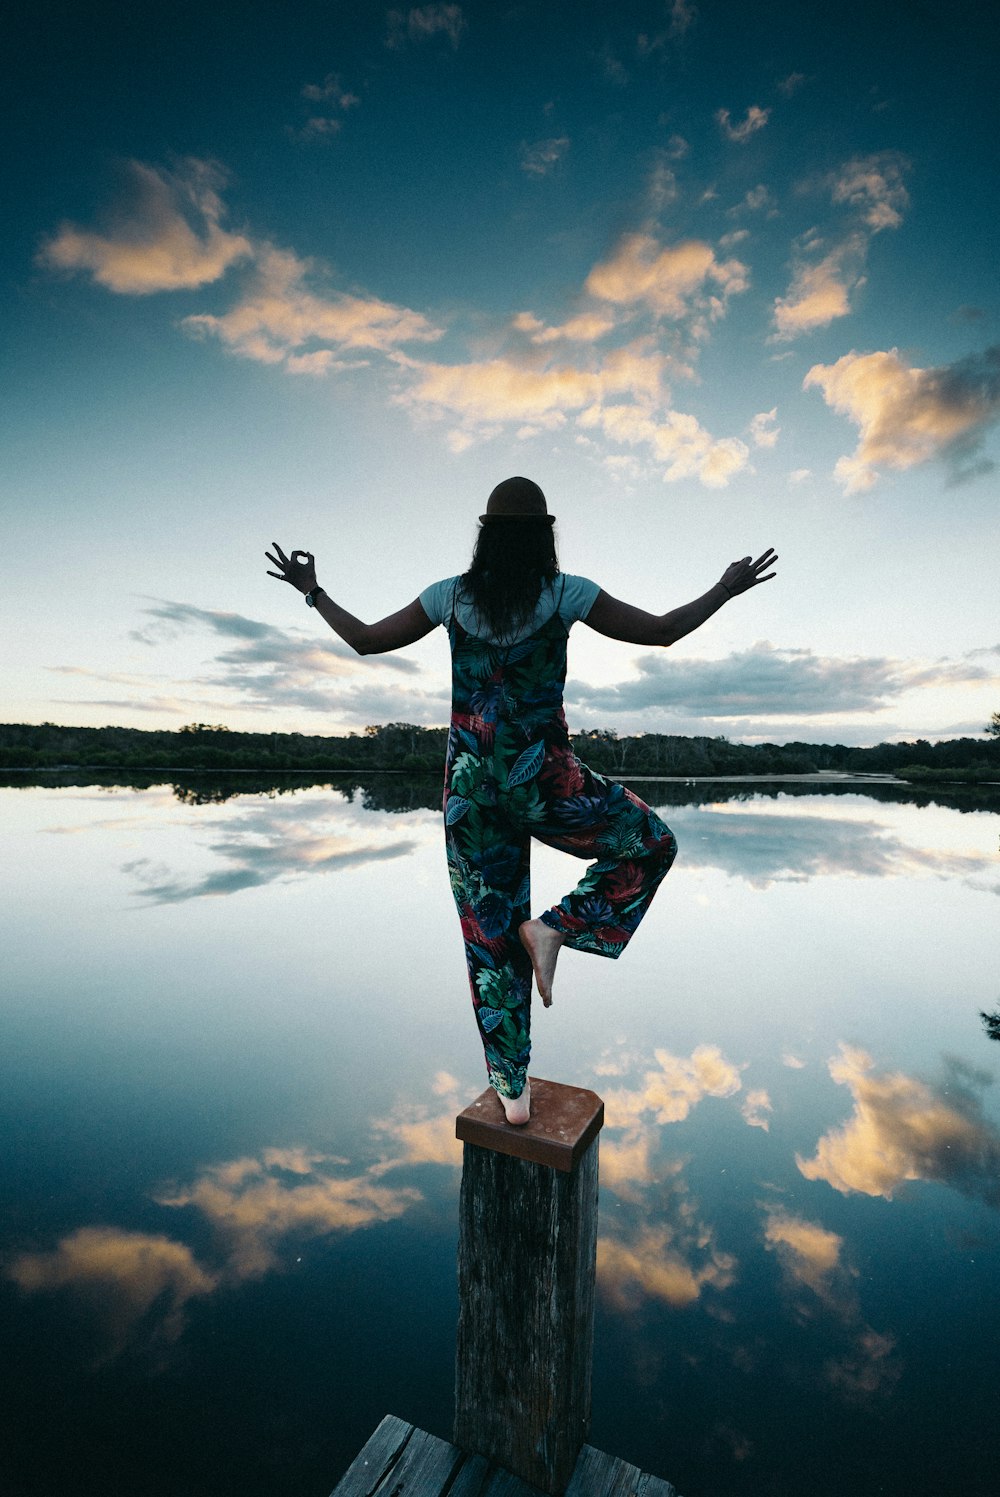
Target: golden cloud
(167, 236)
(809, 1254)
(902, 1129)
(670, 1092)
(756, 1105)
(279, 316)
(906, 416)
(812, 1258)
(654, 1264)
(871, 189)
(253, 1203)
(123, 1274)
(819, 293)
(670, 280)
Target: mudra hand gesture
(740, 576)
(299, 569)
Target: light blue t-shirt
(577, 600)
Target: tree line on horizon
(404, 746)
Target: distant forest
(401, 746)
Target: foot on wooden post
(517, 1109)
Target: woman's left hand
(740, 576)
(299, 569)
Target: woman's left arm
(635, 626)
(391, 633)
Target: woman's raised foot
(542, 944)
(517, 1109)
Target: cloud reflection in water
(262, 844)
(904, 1129)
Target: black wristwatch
(311, 597)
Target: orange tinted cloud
(165, 236)
(903, 1129)
(279, 316)
(255, 1203)
(123, 1274)
(653, 1264)
(905, 415)
(670, 280)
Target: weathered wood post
(527, 1252)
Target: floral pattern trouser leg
(489, 839)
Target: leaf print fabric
(512, 775)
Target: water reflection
(905, 1129)
(771, 1241)
(259, 1212)
(261, 844)
(133, 1283)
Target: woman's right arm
(635, 626)
(391, 633)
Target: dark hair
(512, 562)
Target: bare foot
(542, 944)
(518, 1109)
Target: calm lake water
(235, 1036)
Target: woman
(511, 773)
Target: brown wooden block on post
(527, 1257)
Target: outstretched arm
(636, 627)
(391, 633)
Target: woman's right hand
(740, 576)
(300, 573)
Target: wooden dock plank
(400, 1460)
(599, 1475)
(381, 1452)
(655, 1486)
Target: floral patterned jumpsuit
(511, 775)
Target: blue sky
(717, 276)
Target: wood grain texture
(526, 1269)
(400, 1459)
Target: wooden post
(527, 1252)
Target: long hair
(512, 562)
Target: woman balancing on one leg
(512, 774)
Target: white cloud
(424, 21)
(755, 119)
(767, 681)
(790, 85)
(279, 316)
(166, 235)
(764, 428)
(906, 415)
(542, 157)
(331, 92)
(873, 185)
(756, 1105)
(754, 201)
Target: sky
(717, 276)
